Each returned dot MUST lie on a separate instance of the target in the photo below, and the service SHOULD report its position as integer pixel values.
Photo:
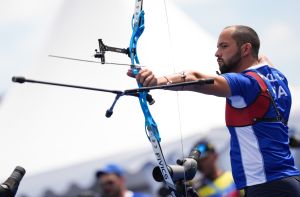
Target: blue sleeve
(242, 85)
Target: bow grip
(135, 71)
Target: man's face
(111, 185)
(207, 164)
(228, 53)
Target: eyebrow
(221, 43)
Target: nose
(217, 54)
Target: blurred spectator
(214, 181)
(87, 194)
(163, 191)
(112, 183)
(294, 142)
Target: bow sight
(103, 48)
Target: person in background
(87, 194)
(294, 141)
(214, 182)
(112, 183)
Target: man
(258, 103)
(112, 183)
(214, 181)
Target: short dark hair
(244, 34)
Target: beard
(115, 192)
(231, 64)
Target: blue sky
(25, 25)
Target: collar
(256, 66)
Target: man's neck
(215, 174)
(246, 63)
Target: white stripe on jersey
(237, 101)
(251, 156)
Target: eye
(107, 183)
(223, 46)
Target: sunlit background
(27, 27)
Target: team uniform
(223, 186)
(256, 115)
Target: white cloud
(281, 43)
(24, 26)
(197, 2)
(279, 32)
(281, 39)
(12, 11)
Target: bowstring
(177, 94)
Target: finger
(143, 74)
(129, 73)
(138, 76)
(149, 81)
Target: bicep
(227, 85)
(242, 85)
(220, 87)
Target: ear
(122, 180)
(246, 49)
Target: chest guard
(256, 111)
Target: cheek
(204, 163)
(228, 54)
(207, 163)
(229, 51)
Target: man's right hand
(264, 59)
(145, 77)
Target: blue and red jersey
(259, 150)
(223, 186)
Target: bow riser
(150, 125)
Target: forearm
(219, 88)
